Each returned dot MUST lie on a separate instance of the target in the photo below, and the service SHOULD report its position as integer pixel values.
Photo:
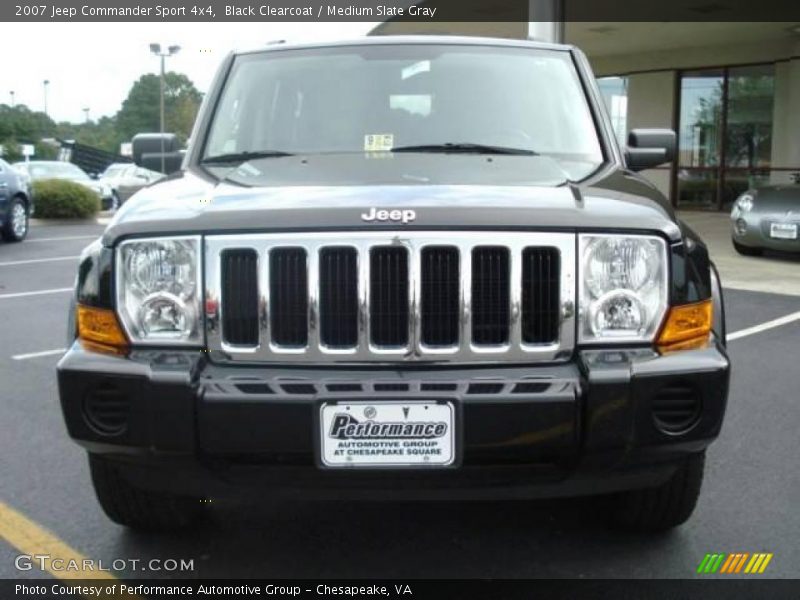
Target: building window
(725, 133)
(615, 94)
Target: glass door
(748, 131)
(700, 139)
(725, 134)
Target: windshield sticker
(378, 142)
(423, 66)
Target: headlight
(623, 287)
(745, 202)
(158, 290)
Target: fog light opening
(676, 408)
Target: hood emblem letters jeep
(395, 215)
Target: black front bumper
(179, 422)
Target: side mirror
(147, 149)
(171, 161)
(649, 148)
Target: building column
(651, 104)
(546, 20)
(786, 120)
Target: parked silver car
(125, 179)
(767, 218)
(55, 169)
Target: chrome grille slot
(540, 295)
(288, 290)
(490, 295)
(440, 296)
(390, 296)
(240, 296)
(338, 297)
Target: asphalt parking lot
(749, 502)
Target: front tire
(660, 508)
(747, 250)
(16, 226)
(137, 508)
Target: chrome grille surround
(464, 352)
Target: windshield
(423, 98)
(56, 170)
(115, 171)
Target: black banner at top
(424, 11)
(412, 589)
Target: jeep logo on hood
(395, 215)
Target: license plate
(387, 434)
(783, 231)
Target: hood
(777, 198)
(289, 196)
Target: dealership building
(731, 90)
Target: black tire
(137, 508)
(114, 203)
(747, 250)
(13, 231)
(664, 507)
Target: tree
(102, 134)
(140, 112)
(21, 125)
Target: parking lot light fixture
(45, 83)
(171, 50)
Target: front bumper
(756, 233)
(179, 422)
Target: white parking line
(736, 335)
(38, 354)
(37, 260)
(36, 293)
(59, 239)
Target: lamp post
(85, 110)
(171, 50)
(45, 83)
(12, 98)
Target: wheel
(16, 227)
(114, 204)
(747, 250)
(663, 507)
(138, 508)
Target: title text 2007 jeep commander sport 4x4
(399, 265)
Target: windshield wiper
(240, 157)
(465, 148)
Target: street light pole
(12, 98)
(156, 49)
(161, 120)
(46, 82)
(86, 114)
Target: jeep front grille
(399, 296)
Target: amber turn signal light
(100, 326)
(686, 323)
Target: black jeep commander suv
(416, 266)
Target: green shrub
(59, 199)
